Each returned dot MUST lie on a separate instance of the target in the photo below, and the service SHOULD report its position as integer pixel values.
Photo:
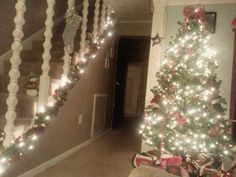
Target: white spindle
(67, 57)
(71, 4)
(44, 78)
(84, 27)
(103, 17)
(96, 18)
(14, 73)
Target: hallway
(109, 156)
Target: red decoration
(181, 120)
(199, 12)
(169, 161)
(188, 11)
(140, 159)
(194, 12)
(215, 131)
(233, 24)
(156, 99)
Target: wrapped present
(174, 169)
(170, 160)
(143, 159)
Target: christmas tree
(187, 114)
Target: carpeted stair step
(24, 107)
(56, 45)
(28, 66)
(4, 81)
(36, 55)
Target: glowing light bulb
(21, 144)
(94, 56)
(51, 104)
(1, 170)
(226, 152)
(34, 137)
(47, 118)
(3, 160)
(212, 146)
(31, 147)
(110, 34)
(81, 71)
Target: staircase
(32, 62)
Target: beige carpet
(109, 156)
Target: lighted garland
(26, 141)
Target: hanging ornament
(32, 85)
(180, 119)
(215, 131)
(191, 12)
(233, 23)
(156, 99)
(156, 40)
(216, 99)
(199, 12)
(188, 11)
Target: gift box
(170, 161)
(174, 169)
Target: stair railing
(14, 73)
(44, 84)
(25, 141)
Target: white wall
(222, 40)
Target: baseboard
(37, 170)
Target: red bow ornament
(233, 23)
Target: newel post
(155, 56)
(14, 73)
(44, 78)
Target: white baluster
(67, 57)
(14, 73)
(96, 18)
(103, 17)
(44, 78)
(71, 4)
(84, 27)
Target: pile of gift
(203, 165)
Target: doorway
(132, 64)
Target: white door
(132, 90)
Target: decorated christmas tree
(187, 113)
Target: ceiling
(140, 10)
(132, 10)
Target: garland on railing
(26, 141)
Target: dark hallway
(132, 59)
